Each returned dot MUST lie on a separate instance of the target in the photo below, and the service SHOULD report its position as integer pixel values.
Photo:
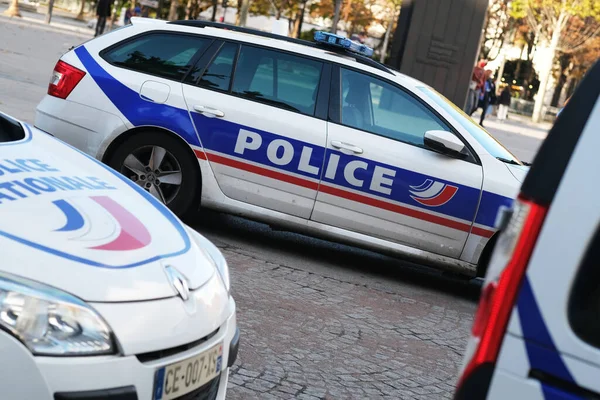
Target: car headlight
(51, 322)
(215, 255)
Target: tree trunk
(280, 10)
(571, 87)
(546, 69)
(173, 10)
(113, 17)
(13, 10)
(298, 27)
(188, 9)
(215, 4)
(336, 15)
(560, 82)
(292, 24)
(500, 69)
(243, 13)
(386, 39)
(49, 13)
(80, 14)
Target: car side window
(162, 54)
(375, 106)
(218, 74)
(278, 78)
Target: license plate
(178, 379)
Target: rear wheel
(163, 166)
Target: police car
(536, 334)
(313, 137)
(104, 293)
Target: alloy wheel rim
(156, 170)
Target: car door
(260, 115)
(380, 179)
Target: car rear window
(10, 130)
(164, 54)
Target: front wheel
(161, 165)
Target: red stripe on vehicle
(439, 200)
(395, 208)
(200, 154)
(263, 171)
(345, 194)
(482, 232)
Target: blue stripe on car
(541, 350)
(220, 135)
(137, 110)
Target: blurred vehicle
(104, 293)
(314, 137)
(536, 334)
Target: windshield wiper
(506, 160)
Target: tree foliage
(356, 15)
(550, 22)
(546, 16)
(498, 23)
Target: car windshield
(481, 135)
(10, 130)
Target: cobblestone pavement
(312, 335)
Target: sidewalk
(518, 133)
(62, 21)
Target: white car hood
(71, 222)
(518, 171)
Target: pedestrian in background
(487, 96)
(504, 104)
(103, 10)
(128, 15)
(475, 87)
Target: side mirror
(444, 142)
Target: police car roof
(275, 41)
(255, 32)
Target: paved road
(322, 320)
(319, 320)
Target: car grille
(206, 392)
(157, 355)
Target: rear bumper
(86, 128)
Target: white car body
(328, 179)
(81, 230)
(536, 333)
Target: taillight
(515, 244)
(64, 79)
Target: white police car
(536, 334)
(311, 137)
(104, 293)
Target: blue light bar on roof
(342, 42)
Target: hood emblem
(179, 283)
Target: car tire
(486, 256)
(135, 158)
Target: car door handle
(346, 146)
(208, 110)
